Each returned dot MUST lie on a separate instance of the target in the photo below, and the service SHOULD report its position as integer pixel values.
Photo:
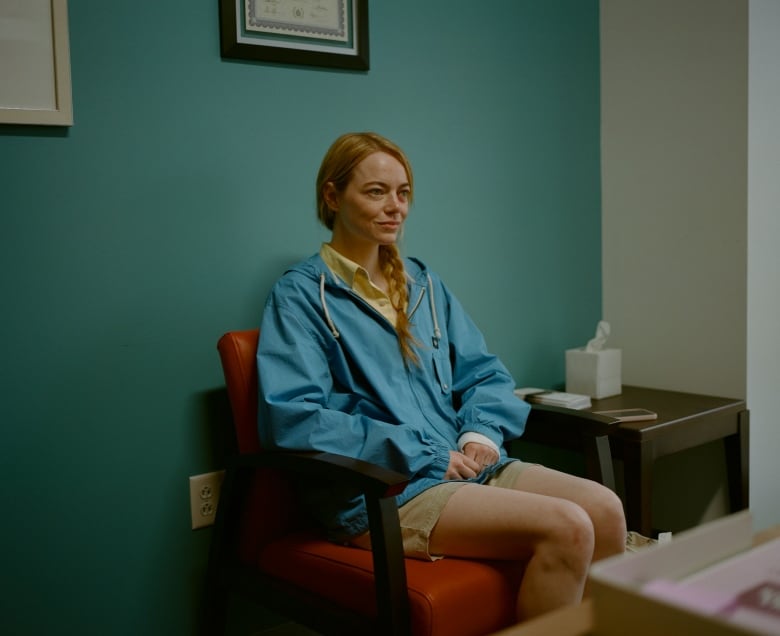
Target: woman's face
(372, 208)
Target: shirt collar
(340, 265)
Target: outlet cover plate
(204, 497)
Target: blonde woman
(368, 354)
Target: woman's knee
(571, 539)
(609, 521)
(578, 526)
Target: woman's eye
(404, 195)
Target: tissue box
(593, 373)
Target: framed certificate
(328, 33)
(35, 63)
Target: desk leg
(638, 459)
(737, 463)
(598, 460)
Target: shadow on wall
(213, 427)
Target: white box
(625, 588)
(593, 373)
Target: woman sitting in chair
(368, 354)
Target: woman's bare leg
(553, 537)
(556, 523)
(602, 505)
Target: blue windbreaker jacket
(332, 379)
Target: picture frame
(321, 33)
(35, 81)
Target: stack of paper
(555, 398)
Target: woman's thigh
(601, 504)
(506, 523)
(541, 480)
(595, 498)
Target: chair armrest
(370, 479)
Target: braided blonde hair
(337, 167)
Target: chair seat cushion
(447, 596)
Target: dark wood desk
(685, 420)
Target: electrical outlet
(204, 497)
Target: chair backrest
(238, 352)
(271, 511)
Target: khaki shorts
(419, 515)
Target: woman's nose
(393, 201)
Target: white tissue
(599, 340)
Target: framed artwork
(326, 33)
(35, 63)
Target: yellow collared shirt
(357, 278)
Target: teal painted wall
(131, 241)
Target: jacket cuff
(471, 436)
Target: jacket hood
(417, 273)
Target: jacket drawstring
(413, 310)
(328, 319)
(436, 331)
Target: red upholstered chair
(264, 546)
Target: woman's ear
(330, 195)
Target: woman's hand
(462, 467)
(481, 454)
(472, 461)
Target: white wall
(674, 151)
(674, 187)
(763, 309)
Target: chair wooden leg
(389, 567)
(214, 611)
